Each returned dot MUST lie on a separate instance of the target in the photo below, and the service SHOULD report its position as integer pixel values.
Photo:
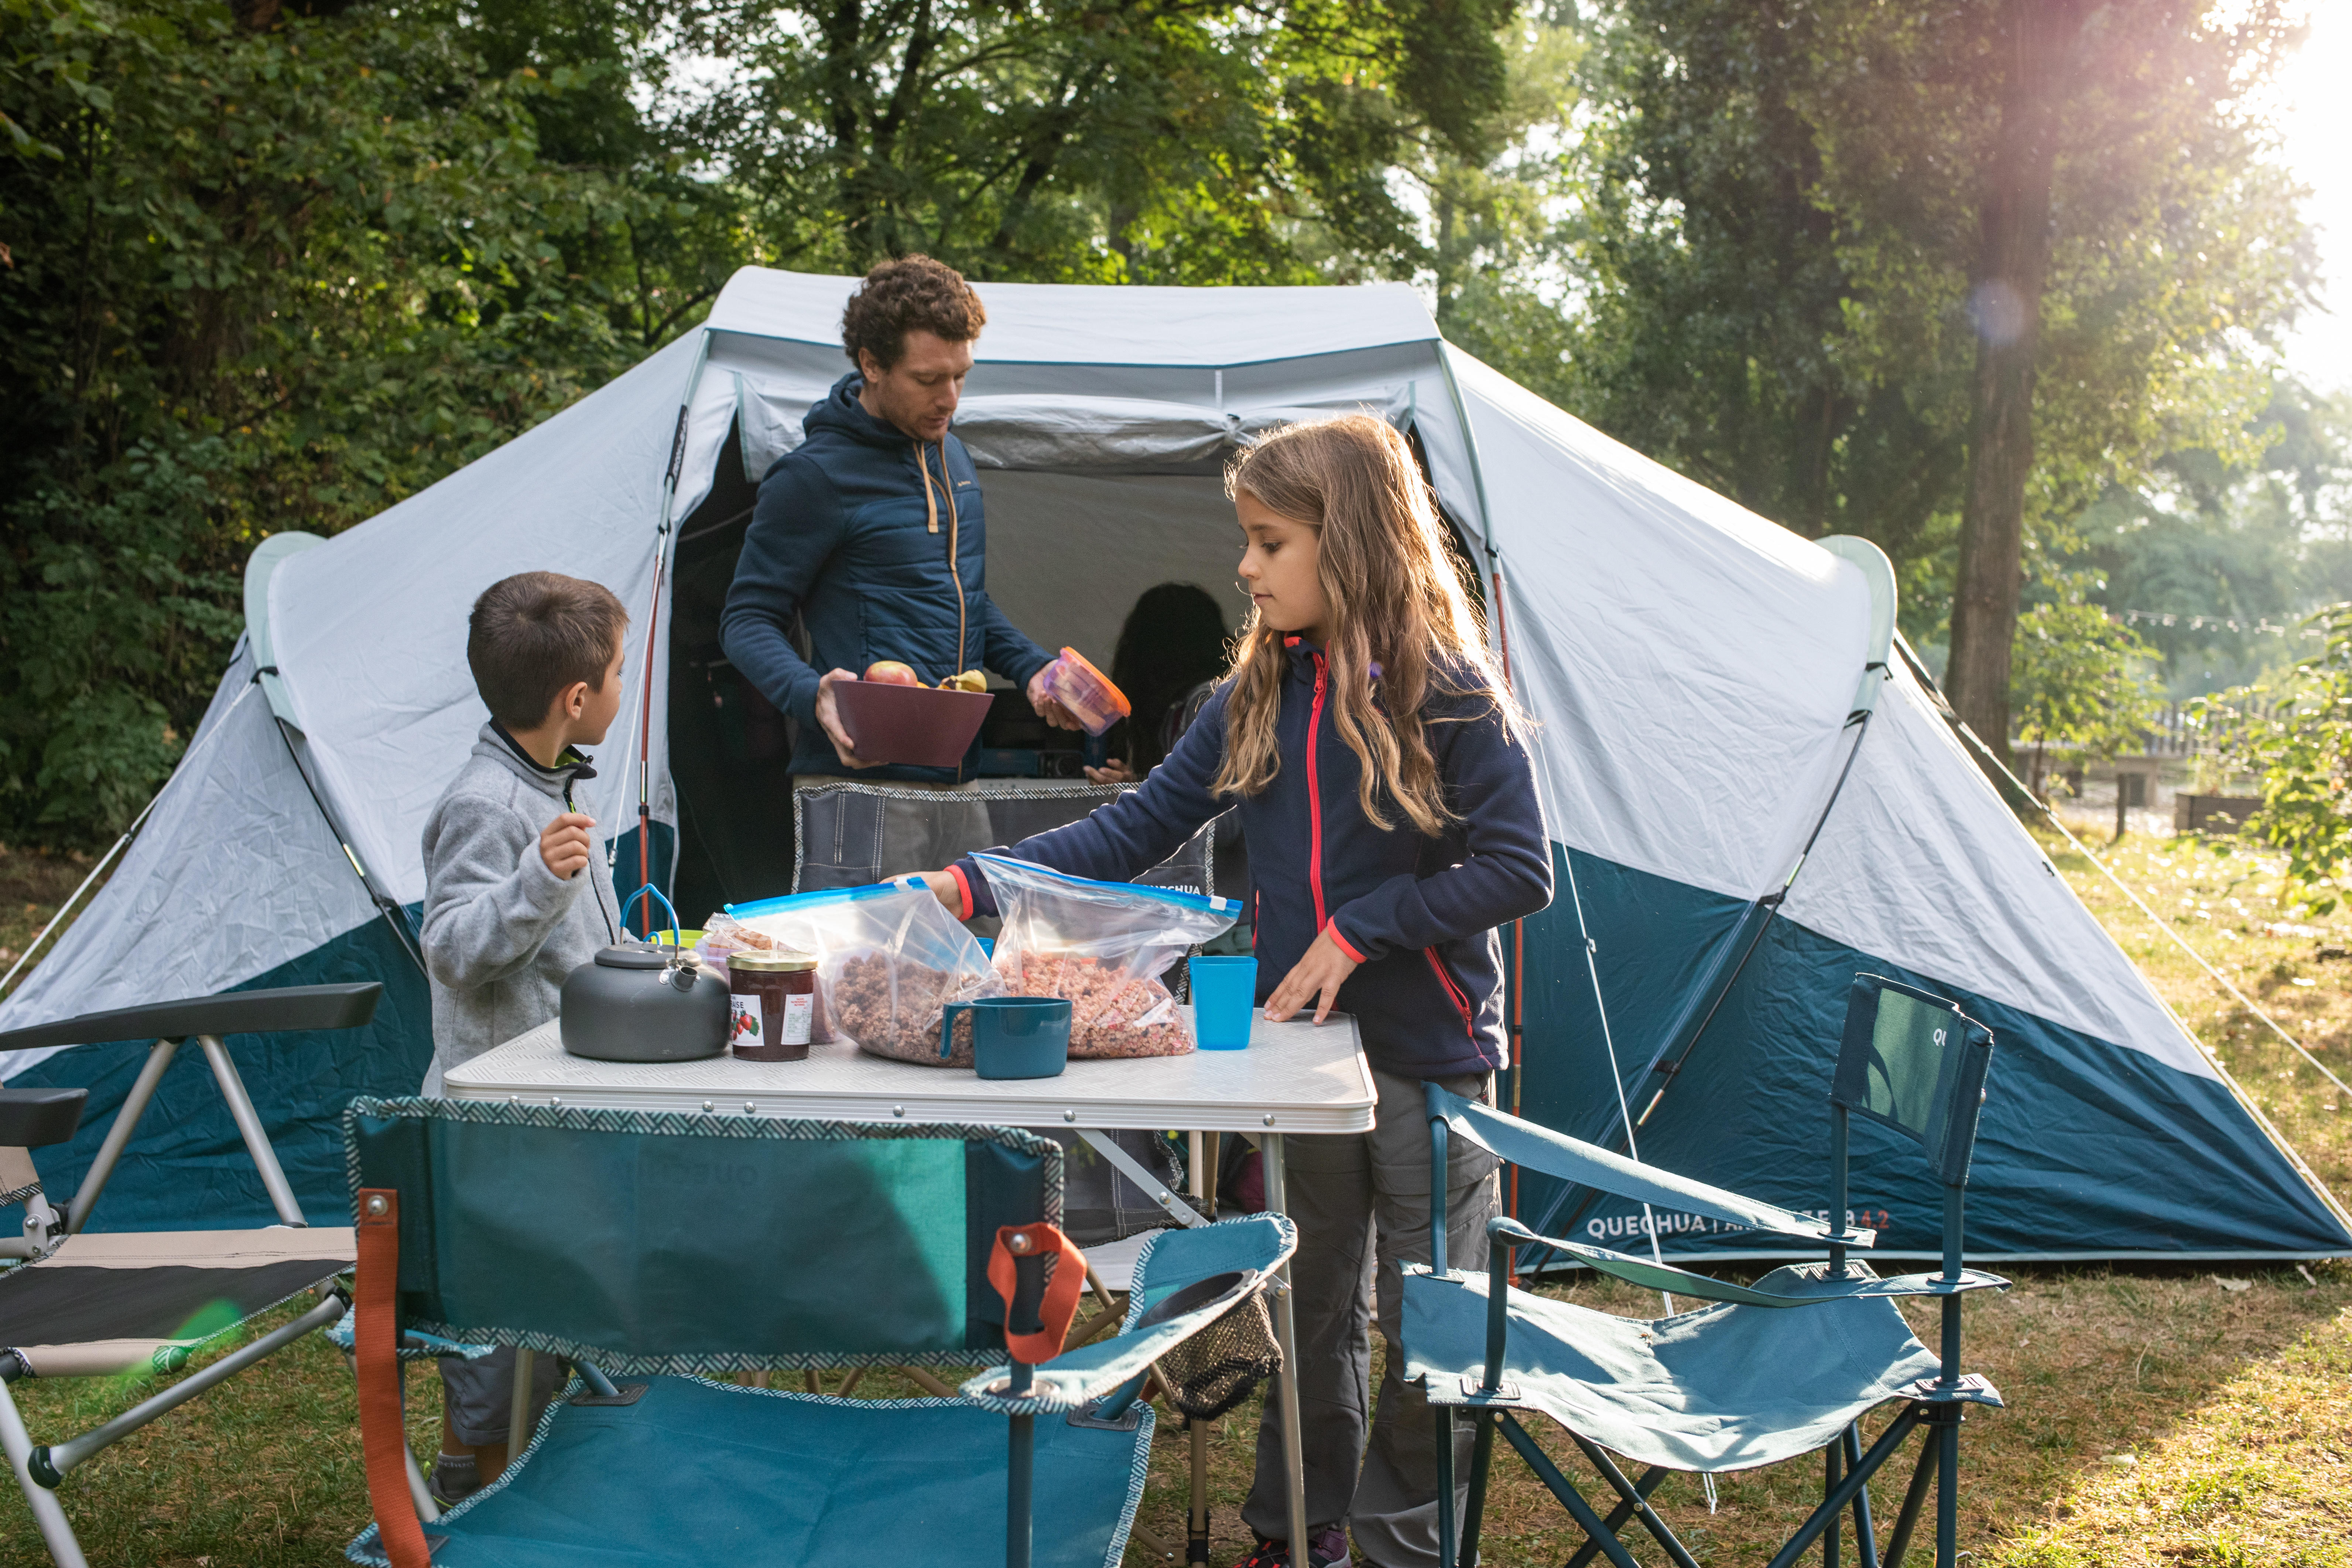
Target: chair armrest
(1588, 1164)
(231, 1012)
(1805, 1285)
(1083, 1375)
(1185, 1281)
(35, 1117)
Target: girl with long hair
(1390, 806)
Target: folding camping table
(1295, 1077)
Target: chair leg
(1865, 1531)
(48, 1513)
(1832, 1467)
(1481, 1463)
(1447, 1551)
(1652, 1479)
(1196, 1510)
(1843, 1493)
(1947, 1488)
(1559, 1485)
(1018, 1477)
(1906, 1518)
(1635, 1500)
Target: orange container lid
(1117, 698)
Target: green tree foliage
(1771, 258)
(263, 269)
(2078, 680)
(2295, 737)
(255, 280)
(1148, 141)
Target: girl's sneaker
(1325, 1549)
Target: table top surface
(1294, 1077)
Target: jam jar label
(745, 1020)
(800, 1011)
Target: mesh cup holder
(1222, 1365)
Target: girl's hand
(943, 887)
(1318, 975)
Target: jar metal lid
(771, 960)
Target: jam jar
(771, 1004)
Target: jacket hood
(842, 414)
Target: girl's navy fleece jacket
(1418, 913)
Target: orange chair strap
(1061, 1302)
(383, 1437)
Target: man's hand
(1318, 974)
(563, 843)
(828, 714)
(1048, 707)
(1114, 771)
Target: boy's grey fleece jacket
(501, 930)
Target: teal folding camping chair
(1784, 1367)
(651, 1249)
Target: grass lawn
(2182, 1416)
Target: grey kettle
(638, 1003)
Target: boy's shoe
(1325, 1549)
(455, 1477)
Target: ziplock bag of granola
(889, 959)
(1104, 945)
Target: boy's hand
(563, 843)
(828, 715)
(1318, 975)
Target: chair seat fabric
(117, 1301)
(699, 1472)
(1726, 1388)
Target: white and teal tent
(1697, 674)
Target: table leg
(1286, 1336)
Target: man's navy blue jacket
(1418, 913)
(880, 543)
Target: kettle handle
(641, 892)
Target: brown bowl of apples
(893, 717)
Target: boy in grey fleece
(501, 930)
(516, 897)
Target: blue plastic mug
(1012, 1036)
(1224, 1001)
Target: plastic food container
(1085, 692)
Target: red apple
(890, 672)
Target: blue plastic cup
(1012, 1036)
(1224, 999)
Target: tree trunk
(2012, 263)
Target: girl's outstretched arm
(1504, 872)
(1121, 840)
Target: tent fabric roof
(1072, 323)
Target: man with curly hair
(871, 534)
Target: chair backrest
(664, 1242)
(1913, 1061)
